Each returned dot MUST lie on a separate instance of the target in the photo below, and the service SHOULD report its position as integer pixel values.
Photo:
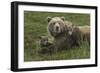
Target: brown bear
(45, 45)
(85, 32)
(80, 33)
(60, 29)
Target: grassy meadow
(35, 25)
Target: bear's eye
(59, 23)
(53, 23)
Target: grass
(35, 24)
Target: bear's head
(43, 40)
(56, 25)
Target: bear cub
(45, 45)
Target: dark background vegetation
(35, 25)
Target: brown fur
(64, 26)
(85, 32)
(68, 35)
(62, 38)
(46, 46)
(80, 33)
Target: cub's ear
(63, 18)
(49, 18)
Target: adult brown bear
(60, 29)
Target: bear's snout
(57, 27)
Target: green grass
(35, 24)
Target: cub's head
(43, 40)
(56, 25)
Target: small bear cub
(45, 45)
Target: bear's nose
(57, 28)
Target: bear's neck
(62, 35)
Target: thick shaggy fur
(58, 26)
(79, 34)
(46, 46)
(59, 29)
(85, 32)
(65, 34)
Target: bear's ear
(63, 18)
(49, 18)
